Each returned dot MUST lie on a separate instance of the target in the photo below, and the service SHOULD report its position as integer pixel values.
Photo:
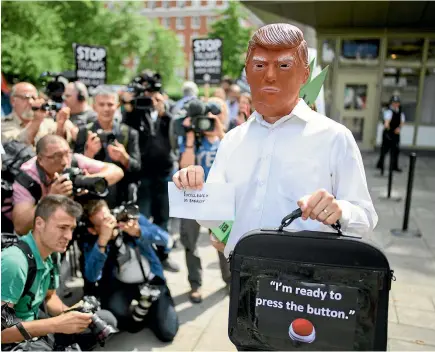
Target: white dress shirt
(273, 165)
(388, 115)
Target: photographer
(54, 223)
(121, 280)
(146, 113)
(109, 141)
(76, 98)
(200, 152)
(29, 121)
(43, 175)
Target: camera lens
(101, 330)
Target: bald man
(29, 126)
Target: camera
(106, 137)
(148, 295)
(97, 186)
(126, 212)
(100, 329)
(147, 82)
(50, 106)
(56, 86)
(197, 110)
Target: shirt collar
(30, 240)
(301, 111)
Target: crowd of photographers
(95, 178)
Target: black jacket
(154, 142)
(130, 140)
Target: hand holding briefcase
(308, 290)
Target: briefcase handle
(287, 220)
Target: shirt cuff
(97, 253)
(346, 213)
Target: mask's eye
(285, 66)
(258, 66)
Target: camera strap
(139, 259)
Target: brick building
(189, 19)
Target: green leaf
(311, 90)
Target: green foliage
(163, 54)
(235, 38)
(39, 36)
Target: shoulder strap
(124, 132)
(30, 184)
(31, 272)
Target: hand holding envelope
(215, 201)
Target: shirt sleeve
(388, 115)
(91, 165)
(94, 262)
(350, 186)
(151, 233)
(21, 194)
(133, 151)
(14, 274)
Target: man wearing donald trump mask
(286, 155)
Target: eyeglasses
(59, 156)
(26, 96)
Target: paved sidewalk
(412, 299)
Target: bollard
(390, 174)
(404, 231)
(388, 196)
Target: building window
(211, 3)
(359, 50)
(404, 83)
(166, 22)
(328, 51)
(181, 39)
(428, 101)
(181, 4)
(195, 3)
(210, 20)
(151, 4)
(404, 50)
(180, 23)
(166, 4)
(196, 22)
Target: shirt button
(260, 182)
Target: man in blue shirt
(204, 156)
(111, 252)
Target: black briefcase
(308, 291)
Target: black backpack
(8, 240)
(308, 290)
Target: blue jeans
(162, 318)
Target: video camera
(100, 329)
(56, 86)
(96, 186)
(50, 106)
(144, 83)
(197, 110)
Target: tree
(235, 38)
(39, 36)
(164, 53)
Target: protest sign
(91, 64)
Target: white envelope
(216, 201)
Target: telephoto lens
(149, 295)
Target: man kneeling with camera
(119, 255)
(35, 258)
